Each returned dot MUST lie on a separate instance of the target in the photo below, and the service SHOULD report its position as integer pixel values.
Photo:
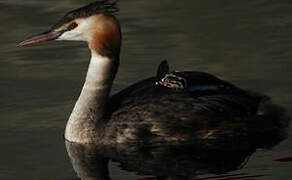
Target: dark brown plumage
(150, 113)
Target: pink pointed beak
(46, 36)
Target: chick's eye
(73, 26)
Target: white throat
(86, 117)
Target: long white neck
(86, 121)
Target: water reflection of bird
(182, 162)
(169, 108)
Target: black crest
(101, 6)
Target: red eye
(73, 25)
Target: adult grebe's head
(94, 23)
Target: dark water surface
(247, 42)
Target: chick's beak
(46, 36)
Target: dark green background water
(247, 42)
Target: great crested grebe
(171, 107)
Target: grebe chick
(171, 107)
